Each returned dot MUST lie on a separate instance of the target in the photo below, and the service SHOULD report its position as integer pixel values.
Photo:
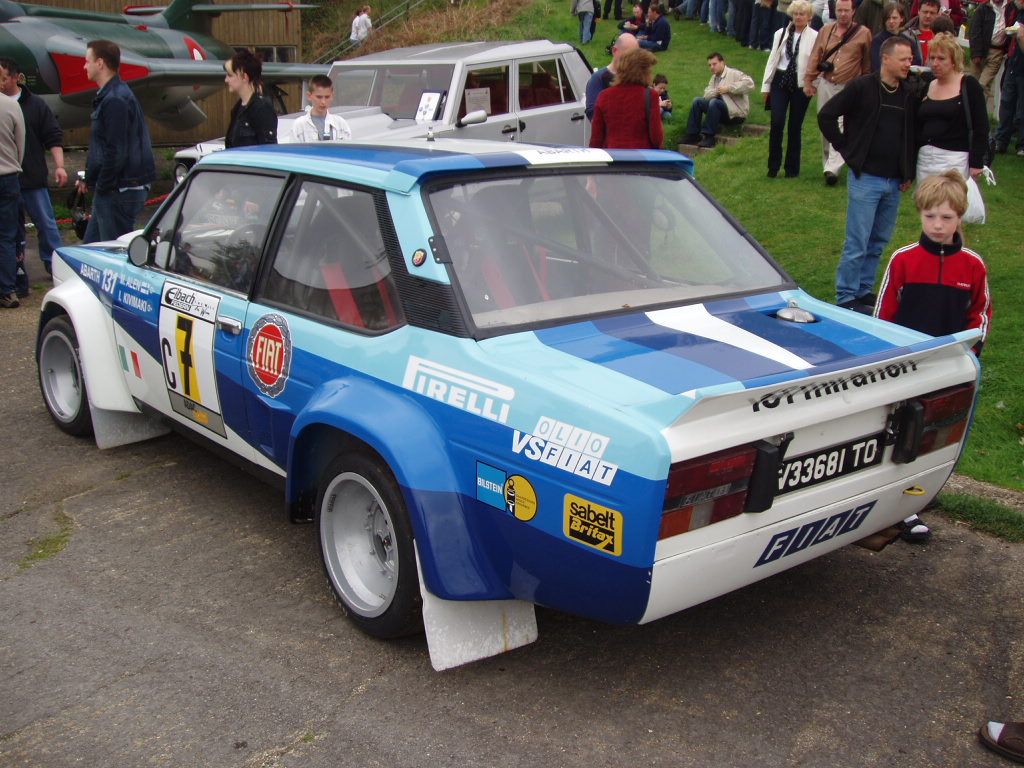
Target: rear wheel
(367, 546)
(61, 379)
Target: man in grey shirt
(12, 150)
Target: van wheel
(61, 379)
(366, 545)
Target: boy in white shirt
(318, 124)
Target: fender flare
(344, 414)
(94, 327)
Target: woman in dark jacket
(619, 120)
(894, 17)
(253, 120)
(952, 120)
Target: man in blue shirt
(603, 77)
(659, 31)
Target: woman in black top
(952, 123)
(253, 120)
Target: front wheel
(61, 379)
(367, 546)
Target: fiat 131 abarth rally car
(497, 377)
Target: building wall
(260, 28)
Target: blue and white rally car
(497, 377)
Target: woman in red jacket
(619, 120)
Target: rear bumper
(686, 579)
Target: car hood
(683, 354)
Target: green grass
(801, 222)
(983, 515)
(50, 544)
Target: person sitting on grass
(725, 101)
(661, 86)
(935, 285)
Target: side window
(487, 89)
(331, 262)
(543, 83)
(216, 232)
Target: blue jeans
(10, 213)
(705, 9)
(114, 214)
(716, 15)
(717, 113)
(730, 26)
(37, 205)
(761, 27)
(586, 19)
(1011, 107)
(871, 208)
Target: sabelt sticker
(520, 498)
(592, 524)
(269, 355)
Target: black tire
(61, 380)
(366, 546)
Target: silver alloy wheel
(359, 547)
(61, 376)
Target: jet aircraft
(168, 56)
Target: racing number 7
(185, 355)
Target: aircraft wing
(144, 73)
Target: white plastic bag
(975, 204)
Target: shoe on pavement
(1006, 739)
(914, 530)
(708, 141)
(691, 138)
(9, 301)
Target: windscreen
(532, 249)
(396, 89)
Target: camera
(826, 66)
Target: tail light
(932, 421)
(707, 490)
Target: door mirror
(138, 251)
(473, 118)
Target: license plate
(830, 463)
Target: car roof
(400, 165)
(451, 53)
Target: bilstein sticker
(269, 354)
(592, 524)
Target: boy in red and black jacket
(935, 285)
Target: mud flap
(114, 428)
(461, 631)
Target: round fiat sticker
(269, 356)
